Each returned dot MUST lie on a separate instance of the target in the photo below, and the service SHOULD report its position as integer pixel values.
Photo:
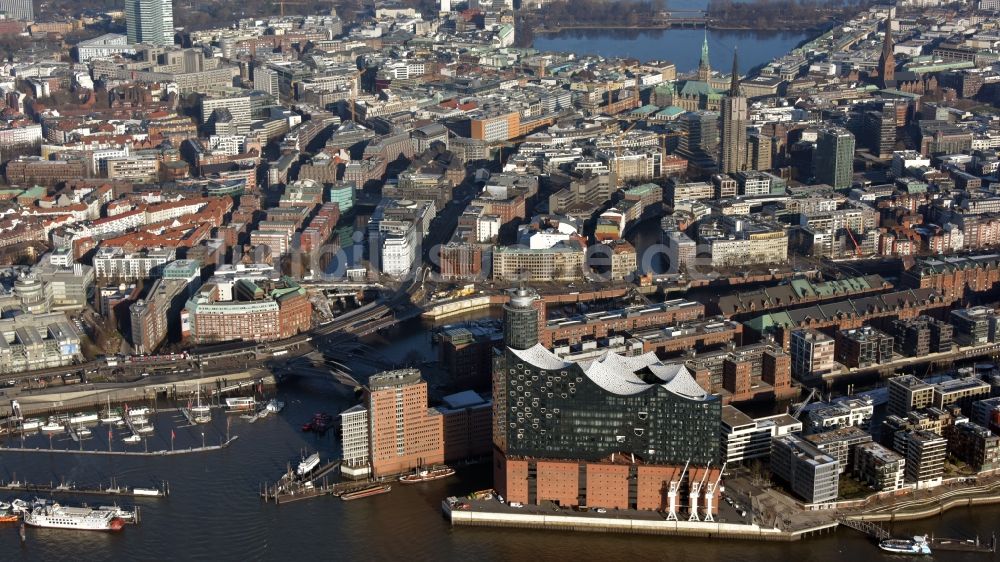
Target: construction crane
(857, 247)
(667, 135)
(804, 403)
(282, 3)
(617, 146)
(357, 76)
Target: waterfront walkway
(491, 513)
(162, 453)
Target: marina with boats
(182, 425)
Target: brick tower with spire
(887, 61)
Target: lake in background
(679, 46)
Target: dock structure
(190, 450)
(289, 488)
(73, 490)
(963, 545)
(869, 528)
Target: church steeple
(734, 78)
(704, 67)
(887, 61)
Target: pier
(290, 488)
(873, 530)
(963, 545)
(879, 533)
(73, 490)
(163, 453)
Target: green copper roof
(698, 88)
(703, 63)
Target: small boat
(148, 492)
(139, 412)
(81, 417)
(31, 424)
(275, 405)
(145, 429)
(9, 518)
(19, 506)
(199, 413)
(427, 475)
(134, 438)
(123, 514)
(366, 492)
(915, 546)
(241, 403)
(111, 416)
(84, 432)
(4, 507)
(52, 427)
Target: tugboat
(915, 546)
(319, 424)
(425, 475)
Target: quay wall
(626, 526)
(95, 396)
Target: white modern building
(745, 438)
(103, 46)
(842, 413)
(117, 264)
(18, 9)
(354, 442)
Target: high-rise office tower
(266, 80)
(759, 151)
(18, 9)
(520, 320)
(403, 433)
(833, 159)
(733, 147)
(879, 130)
(701, 133)
(150, 21)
